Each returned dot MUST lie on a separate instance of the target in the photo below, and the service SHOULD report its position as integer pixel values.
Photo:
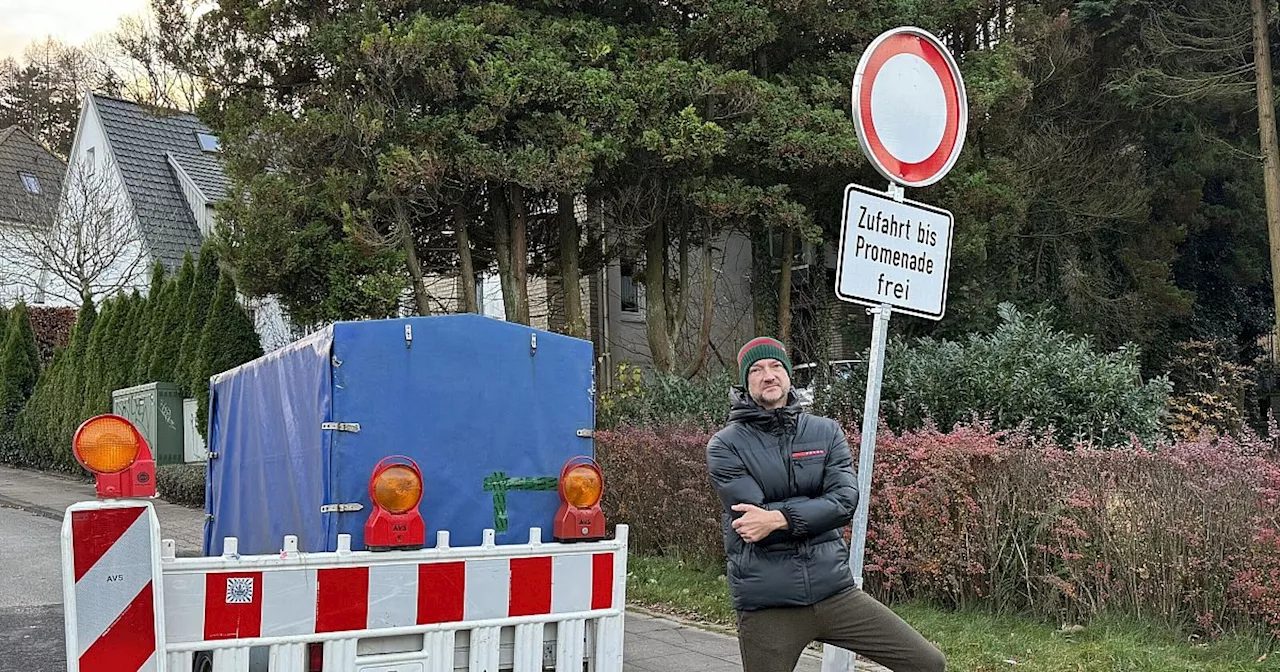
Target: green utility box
(156, 410)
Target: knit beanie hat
(761, 348)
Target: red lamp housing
(580, 518)
(111, 448)
(395, 489)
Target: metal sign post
(911, 114)
(867, 453)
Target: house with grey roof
(165, 166)
(30, 177)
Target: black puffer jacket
(800, 464)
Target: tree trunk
(570, 269)
(1270, 152)
(467, 268)
(708, 305)
(519, 252)
(678, 306)
(411, 260)
(661, 346)
(502, 247)
(784, 287)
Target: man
(786, 481)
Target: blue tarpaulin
(471, 399)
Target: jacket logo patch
(808, 453)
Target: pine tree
(19, 366)
(227, 341)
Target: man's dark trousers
(771, 640)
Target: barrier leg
(485, 649)
(289, 658)
(609, 634)
(439, 646)
(570, 637)
(339, 655)
(528, 655)
(231, 660)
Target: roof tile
(140, 139)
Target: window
(208, 143)
(30, 182)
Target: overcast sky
(70, 21)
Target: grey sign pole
(867, 453)
(835, 659)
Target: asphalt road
(30, 593)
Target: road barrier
(131, 605)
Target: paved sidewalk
(652, 644)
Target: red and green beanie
(761, 348)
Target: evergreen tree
(198, 304)
(4, 324)
(227, 341)
(167, 332)
(19, 366)
(130, 342)
(70, 395)
(96, 389)
(155, 300)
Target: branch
(83, 239)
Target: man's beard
(768, 397)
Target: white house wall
(131, 269)
(11, 260)
(732, 319)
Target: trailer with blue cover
(491, 412)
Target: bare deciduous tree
(136, 53)
(75, 246)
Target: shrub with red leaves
(1187, 532)
(52, 327)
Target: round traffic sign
(909, 106)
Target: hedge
(1185, 531)
(131, 340)
(181, 484)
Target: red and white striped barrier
(132, 605)
(111, 587)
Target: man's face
(768, 383)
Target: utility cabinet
(156, 410)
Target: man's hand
(757, 523)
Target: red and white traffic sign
(909, 106)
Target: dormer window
(31, 182)
(208, 142)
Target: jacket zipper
(802, 550)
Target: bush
(1210, 391)
(181, 484)
(52, 327)
(642, 398)
(1024, 372)
(656, 481)
(1184, 531)
(19, 366)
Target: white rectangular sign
(894, 253)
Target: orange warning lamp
(581, 486)
(395, 490)
(120, 459)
